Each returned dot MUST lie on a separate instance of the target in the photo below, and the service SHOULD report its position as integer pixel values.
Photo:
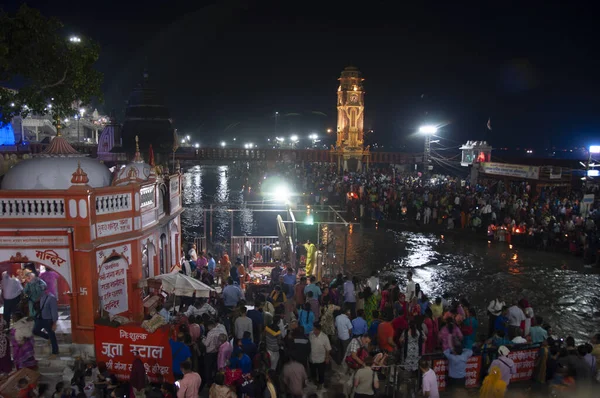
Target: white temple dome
(54, 168)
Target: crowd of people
(30, 309)
(547, 218)
(296, 337)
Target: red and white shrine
(102, 232)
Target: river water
(557, 285)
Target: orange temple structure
(102, 232)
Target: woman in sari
(225, 265)
(21, 339)
(493, 386)
(370, 304)
(327, 318)
(5, 360)
(432, 332)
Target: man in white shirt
(410, 287)
(373, 282)
(430, 385)
(343, 326)
(320, 348)
(494, 311)
(200, 308)
(243, 324)
(515, 317)
(193, 254)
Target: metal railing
(246, 247)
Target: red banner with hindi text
(440, 367)
(114, 347)
(524, 362)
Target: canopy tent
(182, 285)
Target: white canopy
(183, 285)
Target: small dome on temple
(79, 177)
(135, 172)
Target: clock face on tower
(354, 98)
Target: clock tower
(349, 147)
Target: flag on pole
(489, 124)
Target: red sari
(432, 336)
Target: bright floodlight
(223, 143)
(313, 136)
(428, 129)
(294, 138)
(593, 173)
(197, 145)
(282, 193)
(75, 39)
(595, 149)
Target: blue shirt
(289, 281)
(211, 265)
(180, 353)
(457, 364)
(313, 288)
(306, 320)
(500, 324)
(231, 295)
(359, 326)
(243, 363)
(373, 328)
(538, 334)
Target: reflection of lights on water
(515, 257)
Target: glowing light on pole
(75, 39)
(223, 144)
(427, 131)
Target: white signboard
(115, 227)
(56, 259)
(38, 241)
(511, 170)
(112, 286)
(586, 203)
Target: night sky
(225, 67)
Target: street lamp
(223, 144)
(81, 112)
(196, 145)
(329, 131)
(427, 131)
(75, 39)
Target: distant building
(147, 116)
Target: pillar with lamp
(427, 131)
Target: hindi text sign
(112, 286)
(115, 346)
(440, 367)
(524, 362)
(114, 227)
(511, 170)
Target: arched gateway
(101, 233)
